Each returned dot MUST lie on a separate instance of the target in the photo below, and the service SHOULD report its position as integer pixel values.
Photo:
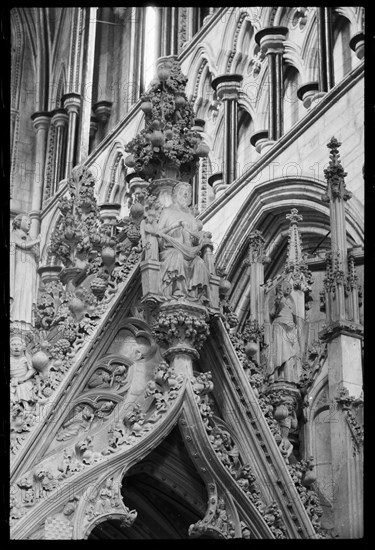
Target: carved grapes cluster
(181, 328)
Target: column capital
(93, 126)
(72, 102)
(357, 44)
(59, 117)
(102, 110)
(271, 39)
(41, 120)
(309, 94)
(227, 86)
(35, 215)
(216, 181)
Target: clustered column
(72, 103)
(271, 42)
(227, 88)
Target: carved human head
(22, 221)
(17, 346)
(286, 288)
(182, 193)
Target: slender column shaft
(41, 122)
(140, 33)
(60, 121)
(88, 72)
(72, 103)
(325, 42)
(279, 95)
(271, 41)
(329, 41)
(227, 88)
(272, 96)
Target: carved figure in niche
(101, 378)
(285, 358)
(84, 418)
(23, 275)
(81, 421)
(21, 372)
(222, 518)
(148, 230)
(183, 272)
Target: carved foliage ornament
(168, 137)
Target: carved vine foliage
(97, 253)
(228, 453)
(279, 410)
(169, 136)
(350, 406)
(96, 427)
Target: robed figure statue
(23, 270)
(285, 354)
(183, 272)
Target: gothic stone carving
(23, 271)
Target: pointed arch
(269, 202)
(203, 56)
(245, 38)
(111, 168)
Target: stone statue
(183, 272)
(21, 372)
(148, 229)
(285, 358)
(81, 421)
(23, 270)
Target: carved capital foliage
(181, 327)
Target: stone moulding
(211, 469)
(119, 462)
(256, 436)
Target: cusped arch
(203, 56)
(244, 40)
(111, 169)
(354, 17)
(292, 57)
(230, 39)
